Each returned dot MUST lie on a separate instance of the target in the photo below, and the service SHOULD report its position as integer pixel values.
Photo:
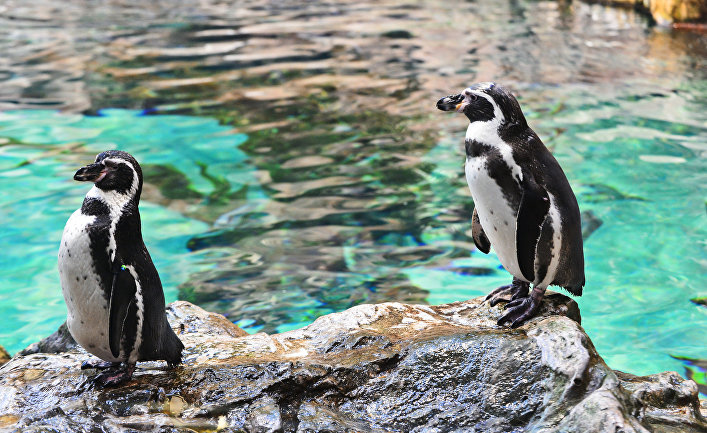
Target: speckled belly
(87, 317)
(497, 218)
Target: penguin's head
(485, 102)
(113, 170)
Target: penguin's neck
(116, 203)
(484, 132)
(115, 206)
(487, 133)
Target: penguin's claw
(518, 289)
(514, 303)
(499, 295)
(99, 365)
(520, 310)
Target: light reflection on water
(331, 180)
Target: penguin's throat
(486, 133)
(116, 201)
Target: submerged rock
(590, 223)
(700, 301)
(374, 368)
(696, 369)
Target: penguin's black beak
(450, 103)
(90, 173)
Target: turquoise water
(39, 197)
(642, 175)
(295, 164)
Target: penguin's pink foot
(521, 309)
(114, 377)
(99, 365)
(517, 289)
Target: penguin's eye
(110, 164)
(473, 97)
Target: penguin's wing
(122, 294)
(477, 232)
(533, 209)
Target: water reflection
(334, 182)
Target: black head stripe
(508, 105)
(120, 155)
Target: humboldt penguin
(113, 294)
(524, 206)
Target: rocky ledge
(373, 368)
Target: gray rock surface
(373, 368)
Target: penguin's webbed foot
(99, 365)
(517, 289)
(521, 309)
(116, 376)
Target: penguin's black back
(157, 339)
(530, 152)
(158, 342)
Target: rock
(60, 341)
(4, 356)
(664, 400)
(666, 12)
(696, 370)
(192, 319)
(389, 367)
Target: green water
(641, 175)
(39, 196)
(295, 164)
(645, 178)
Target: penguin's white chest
(497, 217)
(87, 317)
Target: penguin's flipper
(533, 209)
(477, 232)
(122, 293)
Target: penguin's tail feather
(575, 289)
(172, 348)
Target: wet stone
(295, 76)
(388, 367)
